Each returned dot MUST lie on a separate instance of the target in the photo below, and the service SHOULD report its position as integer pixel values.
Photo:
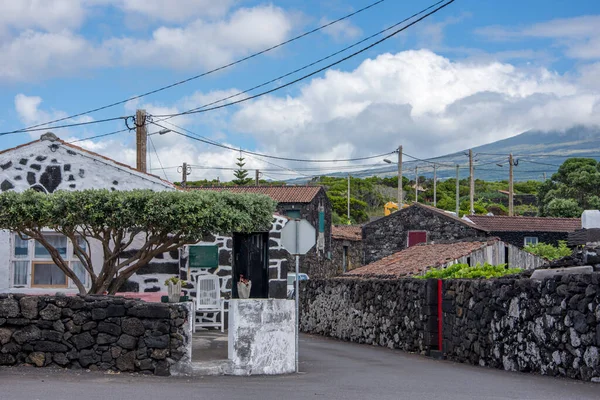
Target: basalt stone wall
(391, 313)
(93, 332)
(550, 327)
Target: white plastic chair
(208, 300)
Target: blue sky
(475, 72)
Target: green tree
(241, 174)
(573, 188)
(131, 227)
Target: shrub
(548, 251)
(464, 271)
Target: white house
(47, 165)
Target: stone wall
(388, 235)
(549, 327)
(388, 313)
(93, 332)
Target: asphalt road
(331, 370)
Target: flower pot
(174, 290)
(244, 290)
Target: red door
(416, 237)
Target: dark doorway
(251, 259)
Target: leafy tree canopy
(573, 188)
(158, 221)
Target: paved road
(333, 370)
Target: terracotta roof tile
(346, 232)
(281, 194)
(525, 224)
(417, 259)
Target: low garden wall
(549, 327)
(94, 332)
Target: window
(416, 237)
(32, 265)
(531, 240)
(293, 214)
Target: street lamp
(161, 132)
(387, 161)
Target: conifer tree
(241, 174)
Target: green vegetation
(160, 221)
(548, 251)
(573, 188)
(241, 174)
(464, 271)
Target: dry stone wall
(93, 332)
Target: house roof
(450, 216)
(52, 138)
(346, 232)
(525, 224)
(417, 259)
(281, 194)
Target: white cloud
(183, 10)
(579, 35)
(419, 99)
(200, 44)
(342, 30)
(50, 15)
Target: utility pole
(348, 198)
(416, 184)
(457, 191)
(544, 177)
(257, 178)
(400, 194)
(471, 184)
(434, 185)
(141, 139)
(510, 186)
(185, 171)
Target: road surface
(331, 370)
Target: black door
(251, 259)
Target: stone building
(51, 164)
(413, 225)
(303, 202)
(418, 259)
(346, 248)
(520, 231)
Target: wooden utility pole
(141, 139)
(184, 174)
(416, 184)
(544, 177)
(457, 190)
(434, 185)
(510, 186)
(348, 198)
(400, 194)
(471, 184)
(257, 178)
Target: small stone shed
(413, 225)
(346, 248)
(520, 231)
(418, 259)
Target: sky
(474, 72)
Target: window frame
(537, 240)
(32, 260)
(408, 244)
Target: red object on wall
(440, 317)
(416, 237)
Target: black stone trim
(40, 158)
(71, 152)
(37, 167)
(6, 185)
(6, 166)
(31, 178)
(23, 161)
(67, 167)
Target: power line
(213, 143)
(203, 110)
(34, 129)
(158, 158)
(307, 65)
(99, 136)
(31, 128)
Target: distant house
(346, 247)
(520, 231)
(306, 202)
(413, 225)
(417, 260)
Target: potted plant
(173, 285)
(243, 286)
